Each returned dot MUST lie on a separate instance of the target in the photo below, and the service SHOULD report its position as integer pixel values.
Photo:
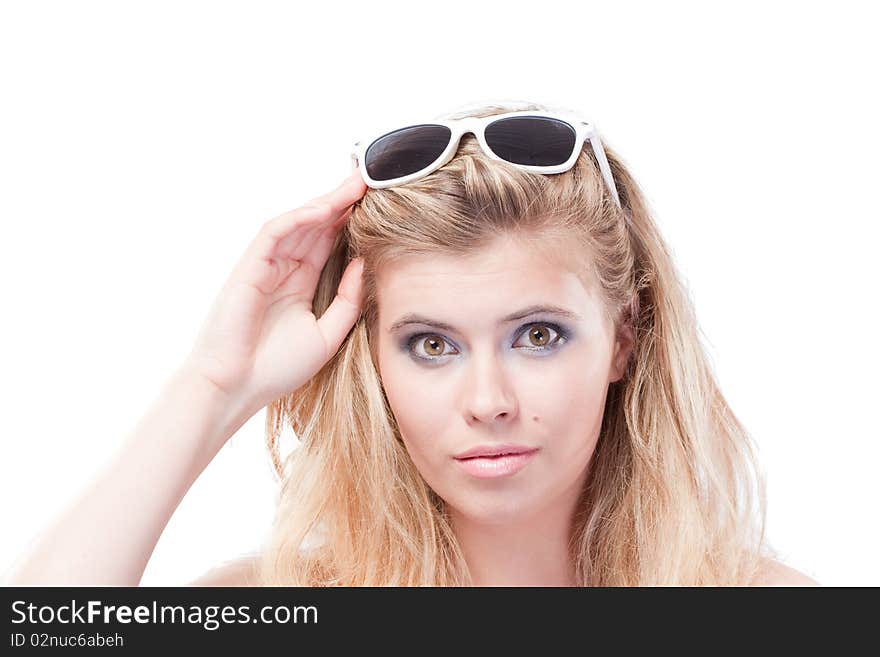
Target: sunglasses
(538, 141)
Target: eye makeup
(561, 336)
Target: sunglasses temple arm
(604, 167)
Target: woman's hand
(261, 340)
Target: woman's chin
(502, 512)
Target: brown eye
(539, 336)
(433, 346)
(428, 346)
(542, 336)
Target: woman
(496, 378)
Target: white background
(142, 145)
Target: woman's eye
(538, 337)
(433, 345)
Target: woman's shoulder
(776, 573)
(241, 571)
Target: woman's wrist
(190, 417)
(229, 412)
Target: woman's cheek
(412, 412)
(423, 426)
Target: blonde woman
(494, 371)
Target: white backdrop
(142, 145)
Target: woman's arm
(260, 341)
(107, 534)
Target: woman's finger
(331, 207)
(319, 251)
(316, 249)
(292, 233)
(343, 312)
(296, 246)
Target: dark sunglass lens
(406, 151)
(532, 140)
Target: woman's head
(615, 391)
(501, 371)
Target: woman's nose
(489, 394)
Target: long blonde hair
(674, 494)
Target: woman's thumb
(345, 309)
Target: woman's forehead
(490, 282)
(508, 260)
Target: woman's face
(459, 373)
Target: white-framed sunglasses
(539, 141)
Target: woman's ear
(623, 347)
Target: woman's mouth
(497, 465)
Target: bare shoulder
(235, 572)
(776, 573)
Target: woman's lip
(486, 467)
(494, 450)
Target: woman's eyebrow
(413, 318)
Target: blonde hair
(674, 494)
